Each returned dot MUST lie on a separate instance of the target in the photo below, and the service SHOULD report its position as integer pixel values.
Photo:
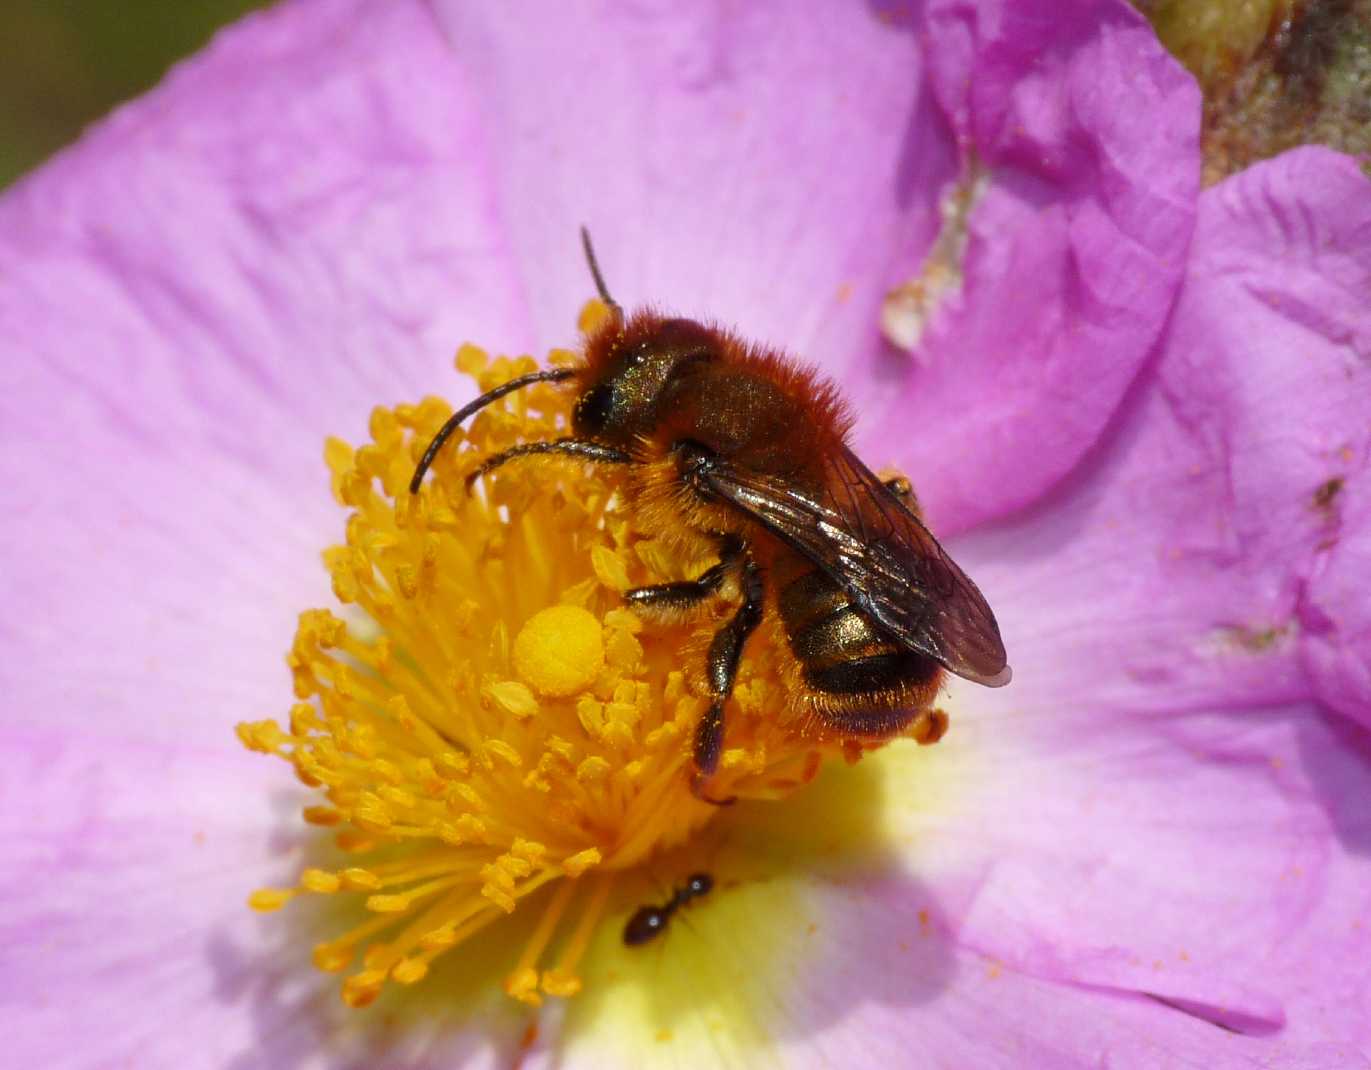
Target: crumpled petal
(1172, 573)
(1161, 734)
(1087, 132)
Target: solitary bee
(732, 449)
(649, 921)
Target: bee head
(631, 371)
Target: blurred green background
(64, 63)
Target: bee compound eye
(593, 407)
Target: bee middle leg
(721, 670)
(903, 491)
(677, 599)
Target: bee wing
(858, 533)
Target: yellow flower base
(484, 717)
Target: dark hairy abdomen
(859, 678)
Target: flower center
(485, 717)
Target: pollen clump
(560, 650)
(483, 719)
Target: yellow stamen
(562, 979)
(486, 717)
(522, 983)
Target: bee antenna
(552, 375)
(595, 272)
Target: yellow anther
(662, 736)
(513, 697)
(623, 713)
(357, 879)
(591, 713)
(609, 568)
(409, 971)
(319, 881)
(495, 874)
(498, 748)
(388, 904)
(361, 989)
(399, 708)
(303, 719)
(451, 765)
(407, 581)
(581, 861)
(523, 986)
(624, 620)
(557, 982)
(623, 651)
(516, 867)
(594, 315)
(439, 939)
(530, 850)
(354, 840)
(262, 736)
(397, 796)
(499, 897)
(337, 455)
(463, 794)
(321, 815)
(331, 958)
(593, 769)
(268, 899)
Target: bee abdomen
(857, 678)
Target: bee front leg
(721, 670)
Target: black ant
(649, 921)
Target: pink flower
(1142, 412)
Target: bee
(649, 921)
(732, 450)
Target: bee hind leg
(903, 491)
(721, 670)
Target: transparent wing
(857, 532)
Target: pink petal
(761, 166)
(130, 866)
(1325, 985)
(1336, 616)
(1075, 251)
(814, 969)
(1169, 576)
(1168, 859)
(1172, 573)
(282, 236)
